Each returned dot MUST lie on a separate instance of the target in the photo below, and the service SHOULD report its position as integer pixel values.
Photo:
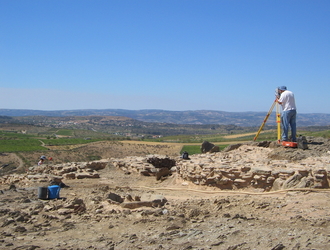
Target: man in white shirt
(288, 118)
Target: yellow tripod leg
(278, 120)
(265, 120)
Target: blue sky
(226, 55)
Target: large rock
(208, 147)
(115, 197)
(232, 147)
(147, 200)
(161, 162)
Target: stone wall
(241, 166)
(249, 166)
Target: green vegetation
(13, 135)
(27, 137)
(16, 145)
(211, 138)
(65, 132)
(15, 141)
(272, 135)
(196, 149)
(190, 138)
(74, 133)
(11, 141)
(68, 141)
(264, 136)
(325, 134)
(22, 137)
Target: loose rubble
(48, 173)
(127, 206)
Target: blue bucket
(54, 192)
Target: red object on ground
(289, 144)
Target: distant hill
(245, 119)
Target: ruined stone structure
(251, 165)
(241, 166)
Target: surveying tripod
(278, 121)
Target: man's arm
(280, 98)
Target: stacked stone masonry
(249, 166)
(245, 166)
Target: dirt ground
(193, 217)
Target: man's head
(282, 88)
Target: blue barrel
(54, 192)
